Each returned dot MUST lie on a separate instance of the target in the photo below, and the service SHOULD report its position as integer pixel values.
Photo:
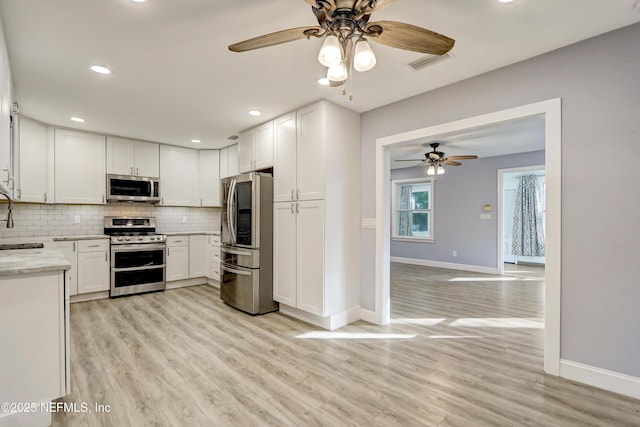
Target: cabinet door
(120, 156)
(177, 263)
(34, 162)
(6, 99)
(79, 170)
(284, 253)
(69, 250)
(197, 259)
(223, 163)
(246, 150)
(232, 160)
(178, 176)
(93, 272)
(209, 177)
(284, 158)
(147, 159)
(215, 262)
(264, 146)
(310, 153)
(310, 249)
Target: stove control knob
(120, 239)
(140, 238)
(127, 239)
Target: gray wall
(458, 198)
(598, 81)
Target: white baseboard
(213, 283)
(368, 316)
(601, 378)
(330, 323)
(186, 282)
(448, 265)
(89, 297)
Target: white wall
(598, 82)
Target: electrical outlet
(76, 219)
(184, 219)
(455, 253)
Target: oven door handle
(137, 247)
(149, 267)
(233, 252)
(234, 271)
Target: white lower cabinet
(299, 256)
(197, 259)
(212, 254)
(177, 259)
(93, 266)
(90, 267)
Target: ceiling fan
(345, 26)
(435, 159)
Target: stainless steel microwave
(127, 188)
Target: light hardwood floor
(463, 349)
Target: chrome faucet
(5, 192)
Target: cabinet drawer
(177, 240)
(93, 245)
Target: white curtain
(528, 221)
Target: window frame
(395, 183)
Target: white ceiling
(174, 79)
(501, 139)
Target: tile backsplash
(58, 220)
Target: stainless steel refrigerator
(247, 243)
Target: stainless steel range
(137, 255)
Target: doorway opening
(551, 111)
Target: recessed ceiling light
(323, 81)
(138, 1)
(505, 1)
(100, 69)
(195, 141)
(77, 119)
(255, 113)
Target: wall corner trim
(448, 265)
(368, 316)
(601, 378)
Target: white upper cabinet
(34, 153)
(178, 176)
(224, 155)
(255, 149)
(209, 177)
(232, 160)
(310, 153)
(6, 100)
(284, 158)
(80, 176)
(129, 157)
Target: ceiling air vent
(429, 60)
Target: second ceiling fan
(435, 159)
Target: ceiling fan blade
(365, 5)
(463, 157)
(409, 160)
(451, 163)
(272, 39)
(381, 4)
(409, 37)
(336, 83)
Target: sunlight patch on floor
(496, 279)
(328, 335)
(517, 322)
(418, 321)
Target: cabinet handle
(94, 246)
(177, 241)
(168, 252)
(45, 197)
(292, 207)
(297, 208)
(201, 201)
(298, 193)
(130, 170)
(103, 198)
(137, 171)
(106, 257)
(74, 246)
(293, 194)
(19, 193)
(162, 200)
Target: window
(413, 209)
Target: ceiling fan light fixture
(431, 170)
(337, 73)
(330, 53)
(440, 170)
(363, 59)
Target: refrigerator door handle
(234, 271)
(230, 211)
(233, 252)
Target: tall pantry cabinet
(316, 214)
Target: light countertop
(188, 233)
(28, 261)
(79, 237)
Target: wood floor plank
(463, 349)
